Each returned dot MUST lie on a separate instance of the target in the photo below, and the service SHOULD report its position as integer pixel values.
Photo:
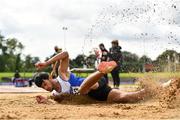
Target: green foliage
(130, 62)
(10, 56)
(29, 63)
(168, 56)
(11, 59)
(164, 75)
(90, 61)
(81, 60)
(78, 61)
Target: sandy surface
(166, 105)
(13, 89)
(24, 106)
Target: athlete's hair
(40, 77)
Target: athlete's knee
(66, 54)
(121, 98)
(82, 91)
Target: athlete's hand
(40, 65)
(40, 99)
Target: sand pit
(24, 106)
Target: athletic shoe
(106, 67)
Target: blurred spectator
(30, 80)
(16, 75)
(104, 57)
(115, 55)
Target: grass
(10, 75)
(138, 75)
(122, 75)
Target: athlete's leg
(120, 96)
(64, 63)
(117, 95)
(91, 81)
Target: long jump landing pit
(13, 89)
(18, 106)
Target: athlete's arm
(44, 100)
(63, 57)
(57, 98)
(59, 56)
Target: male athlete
(94, 85)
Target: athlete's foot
(166, 84)
(150, 87)
(170, 92)
(106, 67)
(173, 82)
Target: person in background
(115, 55)
(104, 57)
(98, 56)
(16, 75)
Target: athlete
(94, 85)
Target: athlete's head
(42, 80)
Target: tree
(130, 62)
(14, 47)
(90, 61)
(29, 63)
(79, 60)
(18, 62)
(164, 61)
(10, 56)
(143, 61)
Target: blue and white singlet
(70, 86)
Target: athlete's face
(47, 85)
